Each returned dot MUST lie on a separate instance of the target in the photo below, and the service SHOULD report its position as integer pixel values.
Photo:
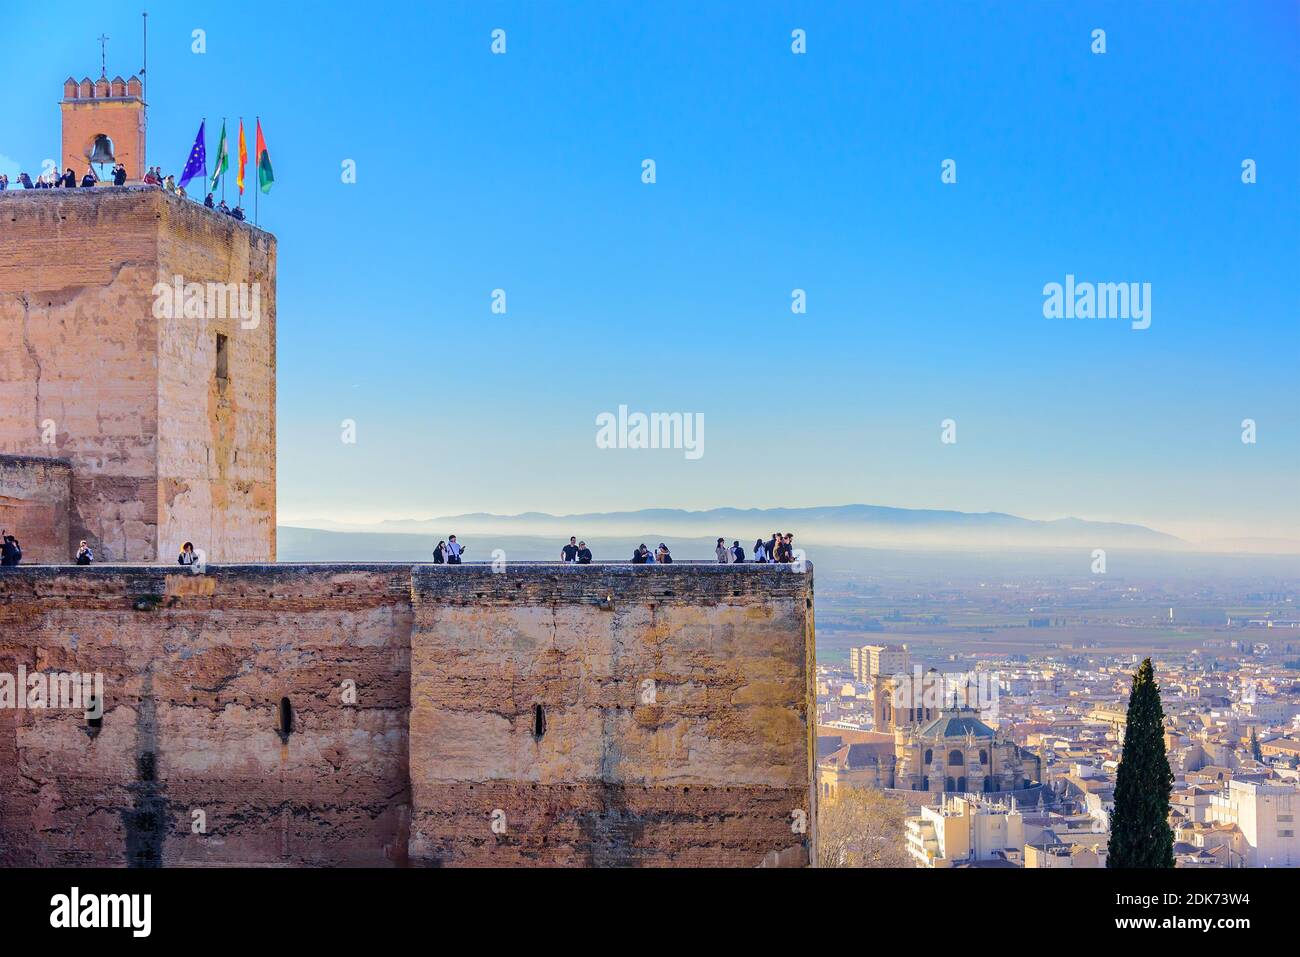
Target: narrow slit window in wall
(286, 718)
(223, 361)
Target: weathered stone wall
(675, 719)
(78, 353)
(194, 669)
(216, 439)
(706, 766)
(34, 494)
(161, 452)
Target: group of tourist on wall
(188, 556)
(195, 165)
(154, 177)
(53, 179)
(448, 552)
(11, 552)
(778, 548)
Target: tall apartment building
(871, 660)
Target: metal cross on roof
(103, 54)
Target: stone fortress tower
(131, 354)
(329, 714)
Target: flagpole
(144, 87)
(257, 164)
(226, 145)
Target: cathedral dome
(956, 723)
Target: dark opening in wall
(94, 717)
(284, 726)
(539, 721)
(223, 361)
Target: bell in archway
(102, 151)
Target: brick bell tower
(107, 113)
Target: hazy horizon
(695, 521)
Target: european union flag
(197, 164)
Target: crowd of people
(221, 207)
(154, 177)
(53, 179)
(779, 548)
(660, 556)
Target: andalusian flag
(223, 160)
(265, 177)
(243, 156)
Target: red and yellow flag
(243, 156)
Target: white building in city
(963, 830)
(883, 660)
(1265, 814)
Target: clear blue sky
(775, 171)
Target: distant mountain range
(869, 526)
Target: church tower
(104, 122)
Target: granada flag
(265, 176)
(243, 156)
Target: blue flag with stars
(197, 164)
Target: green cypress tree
(1255, 751)
(1140, 835)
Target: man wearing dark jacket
(11, 553)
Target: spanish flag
(243, 156)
